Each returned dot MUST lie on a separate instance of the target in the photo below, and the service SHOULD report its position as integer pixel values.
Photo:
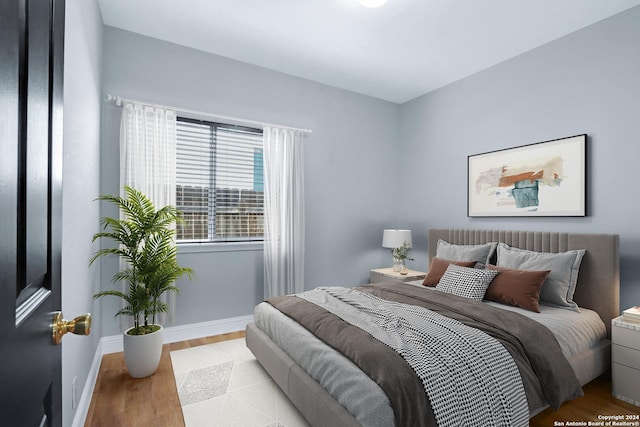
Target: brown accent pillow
(520, 288)
(438, 267)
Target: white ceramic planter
(142, 353)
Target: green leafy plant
(144, 238)
(402, 252)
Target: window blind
(220, 187)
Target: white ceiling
(397, 52)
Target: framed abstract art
(542, 179)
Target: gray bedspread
(545, 372)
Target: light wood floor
(119, 400)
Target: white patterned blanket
(470, 377)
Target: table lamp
(394, 239)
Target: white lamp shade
(396, 238)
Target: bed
(283, 347)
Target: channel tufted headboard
(598, 285)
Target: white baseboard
(87, 391)
(205, 329)
(110, 344)
(113, 344)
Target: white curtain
(284, 211)
(148, 162)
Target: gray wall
(587, 82)
(82, 102)
(352, 166)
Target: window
(219, 176)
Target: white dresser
(625, 360)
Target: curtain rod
(118, 102)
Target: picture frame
(544, 179)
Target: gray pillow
(466, 282)
(560, 284)
(478, 253)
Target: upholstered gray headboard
(598, 285)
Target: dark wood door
(31, 66)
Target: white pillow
(466, 282)
(560, 285)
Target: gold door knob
(81, 325)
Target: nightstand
(625, 360)
(388, 275)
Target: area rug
(223, 385)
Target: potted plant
(145, 242)
(400, 255)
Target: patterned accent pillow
(466, 282)
(438, 268)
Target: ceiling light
(372, 3)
